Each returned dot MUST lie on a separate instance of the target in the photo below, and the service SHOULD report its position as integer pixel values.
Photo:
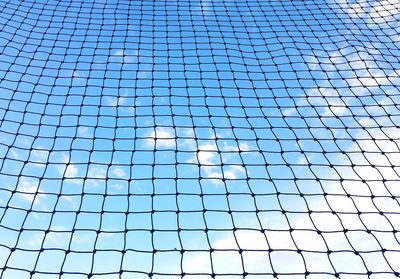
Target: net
(199, 139)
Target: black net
(199, 139)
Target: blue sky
(115, 107)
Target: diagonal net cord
(199, 139)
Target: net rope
(199, 139)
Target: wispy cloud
(40, 155)
(29, 189)
(114, 101)
(119, 172)
(84, 131)
(210, 161)
(161, 137)
(59, 236)
(96, 174)
(373, 13)
(14, 154)
(121, 56)
(204, 7)
(71, 201)
(68, 169)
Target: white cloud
(233, 171)
(119, 172)
(247, 240)
(244, 146)
(71, 171)
(377, 13)
(70, 201)
(162, 136)
(188, 142)
(210, 160)
(254, 255)
(311, 62)
(59, 236)
(145, 72)
(121, 56)
(383, 164)
(361, 70)
(97, 172)
(77, 74)
(331, 225)
(14, 154)
(29, 188)
(68, 170)
(78, 77)
(36, 240)
(119, 52)
(207, 157)
(84, 131)
(115, 101)
(234, 149)
(207, 154)
(285, 259)
(205, 7)
(40, 155)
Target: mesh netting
(199, 139)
